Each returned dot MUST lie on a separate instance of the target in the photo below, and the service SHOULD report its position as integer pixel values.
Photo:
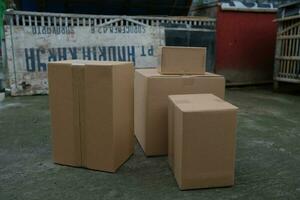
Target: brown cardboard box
(203, 138)
(182, 60)
(92, 113)
(151, 103)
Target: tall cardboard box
(151, 103)
(182, 60)
(91, 107)
(203, 138)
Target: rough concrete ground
(267, 165)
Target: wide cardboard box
(91, 107)
(151, 103)
(202, 153)
(182, 60)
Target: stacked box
(182, 60)
(92, 113)
(151, 103)
(202, 140)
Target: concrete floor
(267, 165)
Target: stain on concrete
(267, 164)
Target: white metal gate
(287, 55)
(33, 39)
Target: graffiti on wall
(33, 56)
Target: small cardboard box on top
(91, 107)
(151, 91)
(201, 140)
(182, 60)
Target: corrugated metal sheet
(245, 46)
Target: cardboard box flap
(66, 141)
(200, 102)
(107, 63)
(153, 73)
(91, 62)
(182, 47)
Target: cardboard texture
(91, 107)
(202, 153)
(151, 103)
(182, 60)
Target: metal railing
(287, 56)
(21, 18)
